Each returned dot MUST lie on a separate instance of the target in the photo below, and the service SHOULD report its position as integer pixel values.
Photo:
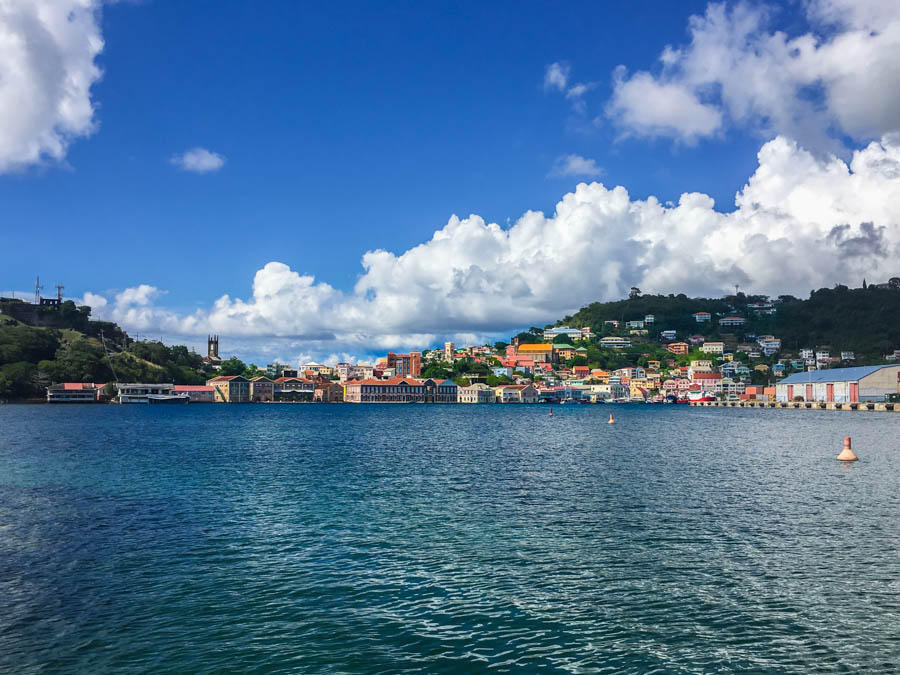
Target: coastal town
(557, 364)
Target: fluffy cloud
(556, 76)
(199, 160)
(575, 165)
(840, 78)
(47, 52)
(643, 106)
(802, 221)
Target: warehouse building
(841, 385)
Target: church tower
(212, 348)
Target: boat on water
(168, 398)
(700, 397)
(149, 393)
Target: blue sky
(347, 128)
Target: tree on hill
(232, 366)
(529, 338)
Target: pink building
(197, 393)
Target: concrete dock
(865, 406)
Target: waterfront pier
(864, 406)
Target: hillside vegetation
(33, 357)
(862, 320)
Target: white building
(551, 334)
(615, 343)
(732, 321)
(476, 393)
(713, 347)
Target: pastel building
(540, 353)
(476, 393)
(713, 347)
(401, 390)
(73, 392)
(230, 388)
(405, 365)
(262, 389)
(197, 393)
(293, 389)
(516, 393)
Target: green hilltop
(862, 320)
(67, 346)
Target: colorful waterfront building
(230, 388)
(293, 389)
(73, 392)
(476, 393)
(516, 393)
(262, 389)
(401, 390)
(196, 393)
(328, 392)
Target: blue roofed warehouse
(841, 385)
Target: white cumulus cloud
(802, 221)
(47, 68)
(199, 160)
(575, 165)
(840, 78)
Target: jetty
(865, 406)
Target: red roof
(192, 387)
(77, 386)
(707, 376)
(389, 382)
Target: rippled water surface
(296, 538)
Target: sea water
(455, 538)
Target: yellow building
(230, 388)
(540, 353)
(564, 352)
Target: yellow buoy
(847, 454)
(612, 420)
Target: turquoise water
(342, 538)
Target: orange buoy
(612, 420)
(551, 412)
(847, 454)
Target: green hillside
(862, 320)
(70, 349)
